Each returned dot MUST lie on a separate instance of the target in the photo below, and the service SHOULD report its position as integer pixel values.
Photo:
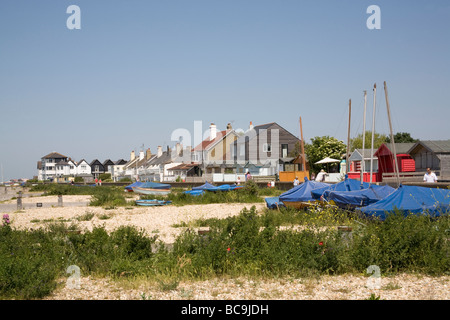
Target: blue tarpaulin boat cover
(274, 202)
(411, 199)
(360, 198)
(346, 185)
(209, 187)
(224, 187)
(155, 185)
(302, 192)
(135, 184)
(197, 192)
(203, 186)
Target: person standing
(296, 182)
(321, 176)
(429, 176)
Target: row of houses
(264, 151)
(412, 159)
(223, 155)
(58, 167)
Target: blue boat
(297, 197)
(198, 191)
(154, 188)
(360, 198)
(346, 185)
(203, 186)
(274, 202)
(410, 200)
(129, 188)
(209, 187)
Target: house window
(267, 147)
(284, 150)
(83, 167)
(213, 153)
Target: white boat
(152, 188)
(151, 191)
(152, 202)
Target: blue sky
(138, 70)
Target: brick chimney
(132, 156)
(148, 154)
(159, 154)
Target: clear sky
(138, 70)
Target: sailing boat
(368, 193)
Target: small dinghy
(152, 202)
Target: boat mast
(373, 129)
(303, 149)
(348, 135)
(392, 136)
(363, 162)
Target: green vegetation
(378, 140)
(273, 243)
(105, 196)
(112, 197)
(322, 147)
(250, 193)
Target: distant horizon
(133, 72)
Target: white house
(50, 166)
(83, 168)
(116, 170)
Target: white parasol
(327, 160)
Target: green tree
(296, 151)
(378, 140)
(400, 137)
(322, 147)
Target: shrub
(108, 197)
(105, 176)
(29, 265)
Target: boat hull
(152, 202)
(299, 204)
(152, 191)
